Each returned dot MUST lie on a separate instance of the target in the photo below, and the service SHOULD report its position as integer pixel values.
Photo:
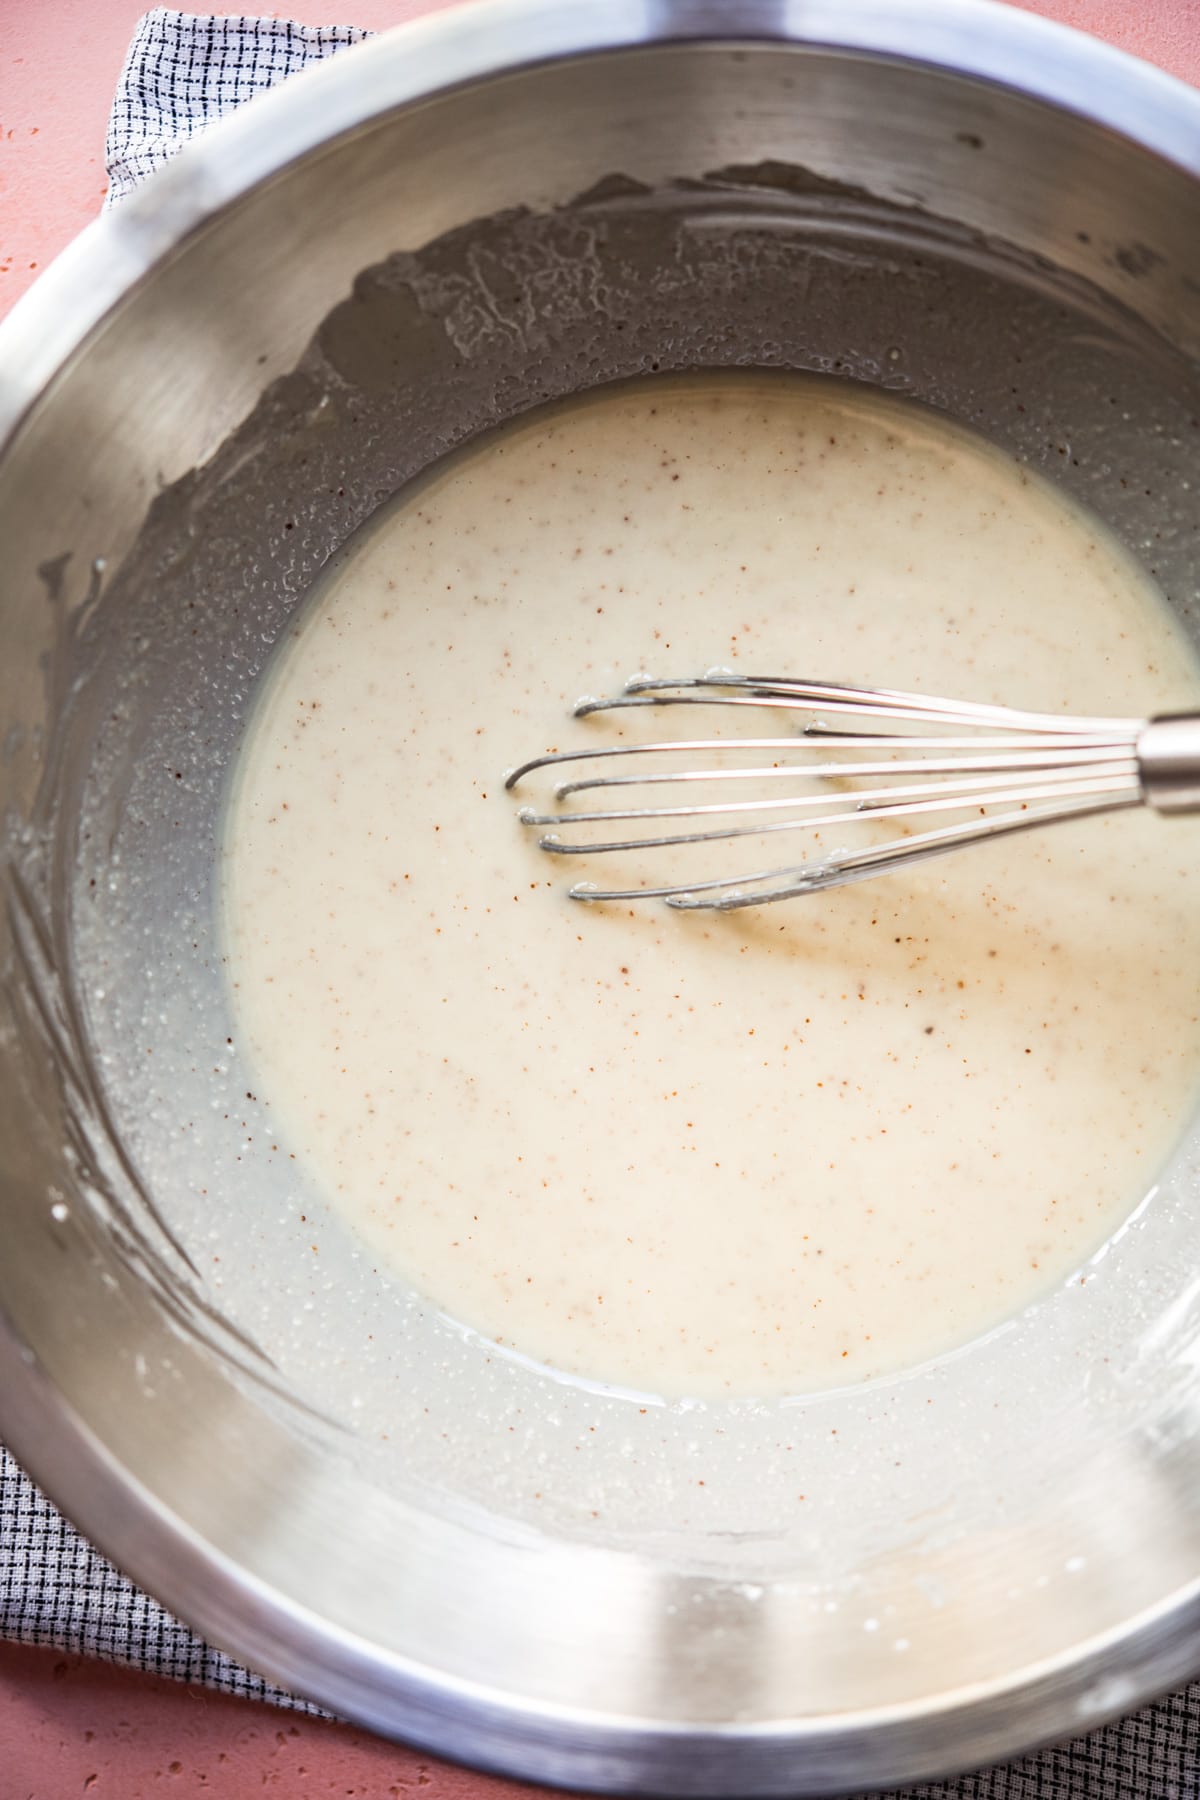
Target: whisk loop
(988, 770)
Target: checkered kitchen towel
(55, 1589)
(183, 71)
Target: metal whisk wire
(1016, 771)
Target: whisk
(853, 757)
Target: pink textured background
(68, 1726)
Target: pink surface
(1166, 32)
(69, 1727)
(59, 63)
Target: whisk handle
(1168, 759)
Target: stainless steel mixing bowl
(954, 201)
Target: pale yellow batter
(758, 1153)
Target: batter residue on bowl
(762, 1153)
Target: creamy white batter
(761, 1153)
